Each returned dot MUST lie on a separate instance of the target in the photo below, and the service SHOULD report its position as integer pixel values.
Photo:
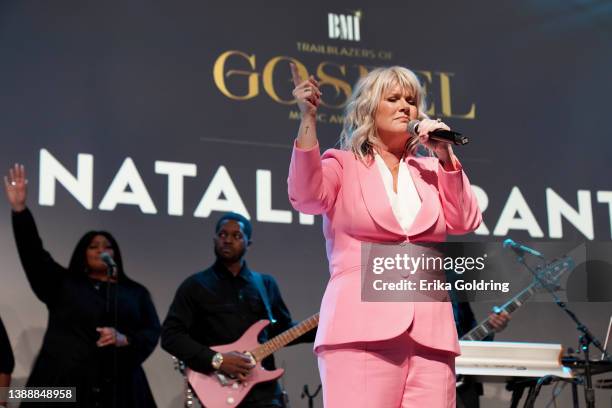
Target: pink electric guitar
(217, 390)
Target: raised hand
(306, 92)
(15, 186)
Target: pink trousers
(387, 374)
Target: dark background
(134, 79)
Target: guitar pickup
(223, 380)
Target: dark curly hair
(78, 261)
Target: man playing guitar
(216, 306)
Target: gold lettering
(445, 94)
(431, 110)
(330, 75)
(363, 70)
(219, 77)
(385, 55)
(336, 118)
(338, 84)
(347, 52)
(332, 50)
(268, 77)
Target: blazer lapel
(376, 199)
(423, 179)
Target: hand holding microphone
(436, 130)
(437, 136)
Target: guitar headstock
(550, 273)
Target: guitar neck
(484, 328)
(546, 275)
(286, 337)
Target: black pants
(468, 395)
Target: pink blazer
(352, 198)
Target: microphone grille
(412, 127)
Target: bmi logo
(344, 26)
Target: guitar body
(217, 391)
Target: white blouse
(406, 202)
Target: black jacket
(77, 306)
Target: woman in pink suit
(376, 189)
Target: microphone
(108, 260)
(521, 250)
(439, 135)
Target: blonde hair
(359, 133)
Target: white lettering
(307, 219)
(117, 193)
(221, 184)
(176, 173)
(344, 27)
(606, 197)
(526, 221)
(582, 218)
(265, 213)
(333, 22)
(81, 186)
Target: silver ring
(439, 120)
(13, 183)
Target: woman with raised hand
(102, 325)
(377, 189)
